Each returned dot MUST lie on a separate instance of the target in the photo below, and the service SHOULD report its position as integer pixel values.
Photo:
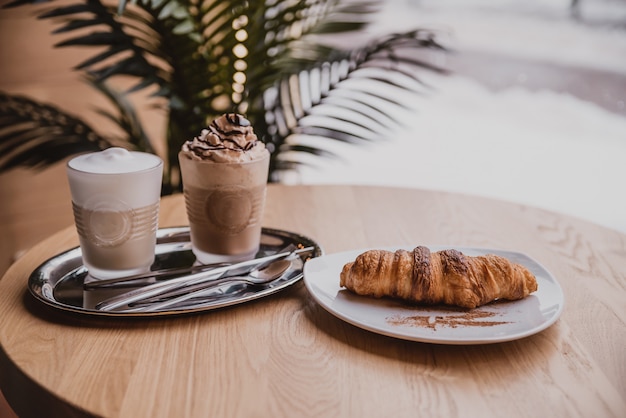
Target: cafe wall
(36, 203)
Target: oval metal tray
(58, 282)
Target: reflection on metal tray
(58, 282)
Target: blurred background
(532, 111)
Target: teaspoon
(256, 277)
(121, 301)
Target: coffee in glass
(224, 172)
(115, 199)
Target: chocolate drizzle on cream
(228, 138)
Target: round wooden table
(284, 355)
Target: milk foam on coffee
(114, 161)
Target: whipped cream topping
(229, 138)
(113, 161)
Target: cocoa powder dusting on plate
(452, 319)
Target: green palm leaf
(352, 99)
(109, 30)
(34, 134)
(261, 58)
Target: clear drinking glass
(115, 198)
(225, 203)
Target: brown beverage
(224, 172)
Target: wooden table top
(284, 355)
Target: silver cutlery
(204, 276)
(256, 277)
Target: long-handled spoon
(155, 289)
(256, 278)
(128, 298)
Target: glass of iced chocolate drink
(115, 197)
(224, 172)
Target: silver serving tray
(58, 282)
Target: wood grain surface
(285, 356)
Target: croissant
(443, 277)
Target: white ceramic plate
(492, 323)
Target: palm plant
(266, 59)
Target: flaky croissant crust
(443, 277)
